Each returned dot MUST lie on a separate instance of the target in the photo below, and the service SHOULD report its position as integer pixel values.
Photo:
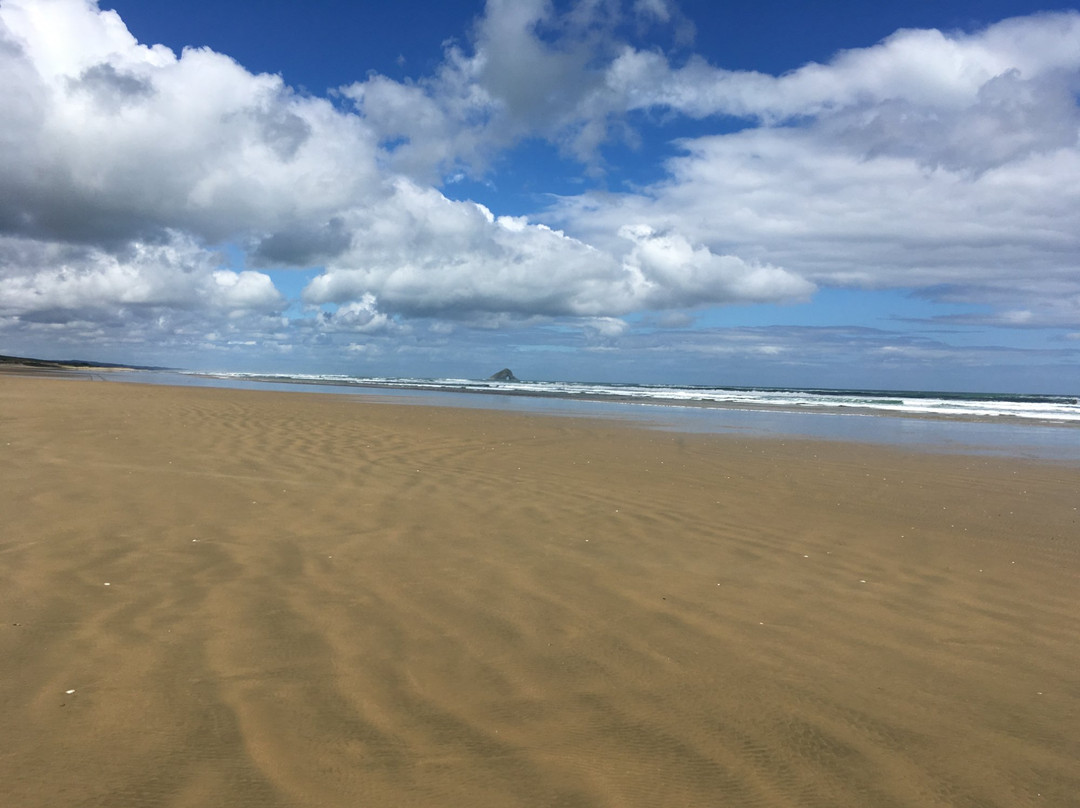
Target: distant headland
(67, 364)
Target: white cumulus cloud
(43, 277)
(121, 153)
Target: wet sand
(293, 599)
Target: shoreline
(446, 386)
(655, 402)
(993, 436)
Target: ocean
(1059, 409)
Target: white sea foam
(1058, 408)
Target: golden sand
(231, 598)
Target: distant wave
(1051, 408)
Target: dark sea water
(1018, 425)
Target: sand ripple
(314, 601)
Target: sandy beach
(219, 597)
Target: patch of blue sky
(290, 283)
(315, 47)
(235, 256)
(775, 36)
(630, 164)
(524, 180)
(528, 177)
(889, 309)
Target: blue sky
(779, 193)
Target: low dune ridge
(223, 597)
